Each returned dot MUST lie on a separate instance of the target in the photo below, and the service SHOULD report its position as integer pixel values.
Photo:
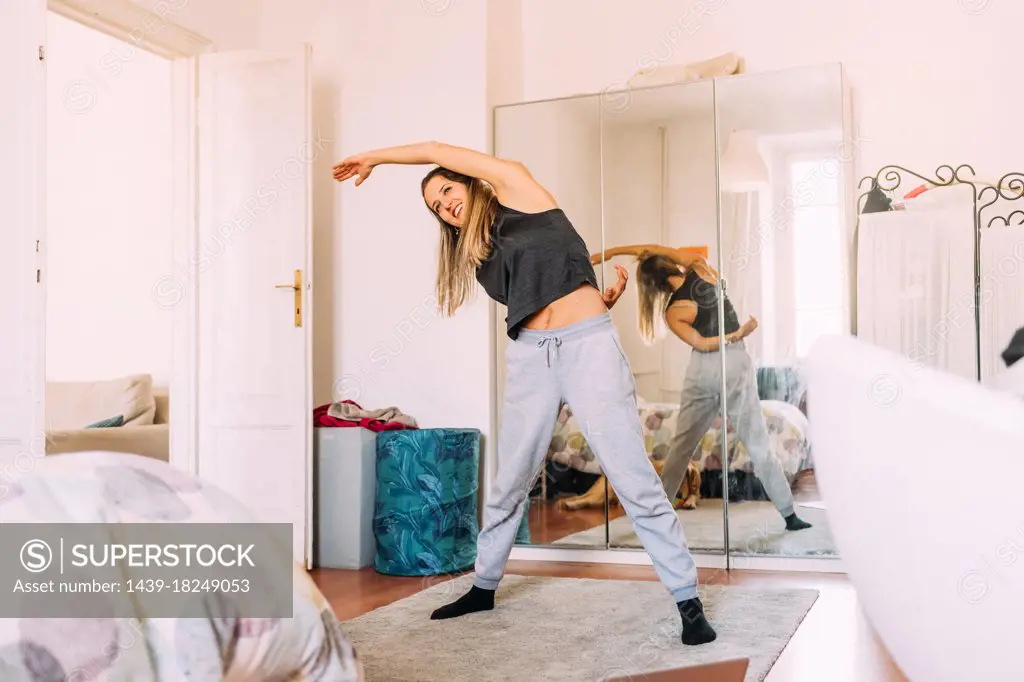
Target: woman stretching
(503, 228)
(681, 286)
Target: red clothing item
(321, 418)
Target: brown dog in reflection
(689, 491)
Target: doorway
(238, 286)
(110, 206)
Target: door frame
(180, 290)
(177, 292)
(151, 30)
(156, 31)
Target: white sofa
(956, 542)
(72, 406)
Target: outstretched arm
(684, 256)
(689, 257)
(500, 173)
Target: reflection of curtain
(1002, 293)
(915, 285)
(741, 259)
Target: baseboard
(786, 564)
(625, 557)
(632, 557)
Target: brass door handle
(297, 287)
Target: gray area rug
(754, 528)
(566, 629)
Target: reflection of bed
(782, 399)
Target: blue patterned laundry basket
(425, 518)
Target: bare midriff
(582, 304)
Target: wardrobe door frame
(847, 189)
(637, 556)
(496, 325)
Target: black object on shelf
(1015, 351)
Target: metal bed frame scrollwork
(984, 195)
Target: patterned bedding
(788, 430)
(113, 487)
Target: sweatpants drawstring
(546, 342)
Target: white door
(254, 411)
(22, 204)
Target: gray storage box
(345, 479)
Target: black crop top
(536, 258)
(705, 295)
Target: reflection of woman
(681, 286)
(500, 227)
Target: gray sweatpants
(701, 403)
(583, 365)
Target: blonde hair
(653, 291)
(462, 249)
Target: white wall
(394, 72)
(391, 73)
(927, 81)
(930, 80)
(633, 215)
(108, 206)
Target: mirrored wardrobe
(725, 201)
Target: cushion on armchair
(72, 405)
(107, 423)
(84, 415)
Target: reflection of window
(817, 249)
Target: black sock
(696, 628)
(794, 522)
(476, 599)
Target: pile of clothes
(350, 413)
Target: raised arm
(685, 256)
(500, 173)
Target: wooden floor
(548, 523)
(834, 642)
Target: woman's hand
(360, 164)
(614, 292)
(745, 330)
